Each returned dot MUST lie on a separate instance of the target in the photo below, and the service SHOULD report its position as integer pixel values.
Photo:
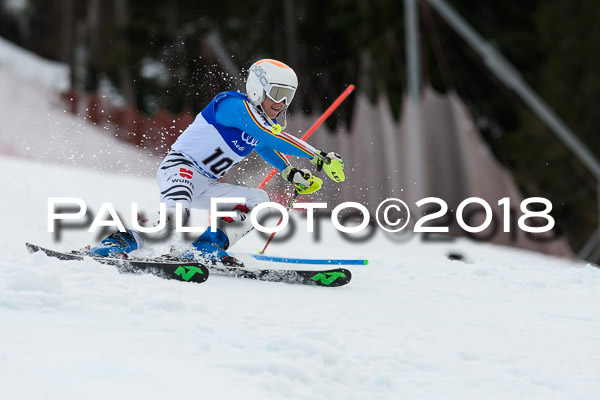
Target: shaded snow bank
(34, 124)
(29, 66)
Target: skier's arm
(236, 113)
(271, 156)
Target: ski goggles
(278, 93)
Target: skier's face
(271, 108)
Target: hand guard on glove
(332, 164)
(305, 182)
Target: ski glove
(332, 164)
(305, 182)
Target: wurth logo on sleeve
(186, 173)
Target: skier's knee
(259, 196)
(264, 197)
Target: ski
(328, 278)
(181, 270)
(323, 277)
(169, 267)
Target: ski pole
(294, 197)
(314, 127)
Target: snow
(28, 65)
(412, 324)
(35, 125)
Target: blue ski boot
(116, 245)
(212, 246)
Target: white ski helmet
(273, 79)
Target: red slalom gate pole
(314, 127)
(281, 219)
(308, 133)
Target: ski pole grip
(323, 158)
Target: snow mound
(34, 124)
(29, 66)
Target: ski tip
(366, 262)
(331, 278)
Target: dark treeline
(176, 55)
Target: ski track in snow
(411, 324)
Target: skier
(230, 127)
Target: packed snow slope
(411, 324)
(504, 324)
